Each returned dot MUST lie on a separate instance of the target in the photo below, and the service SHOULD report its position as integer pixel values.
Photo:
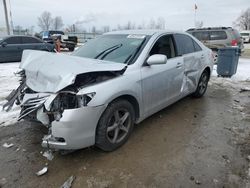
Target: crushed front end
(70, 121)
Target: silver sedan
(97, 94)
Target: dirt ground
(193, 143)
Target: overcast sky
(178, 14)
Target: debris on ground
(197, 182)
(215, 181)
(248, 157)
(3, 181)
(48, 154)
(244, 89)
(6, 145)
(235, 100)
(192, 178)
(68, 183)
(226, 158)
(42, 172)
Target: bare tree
(106, 29)
(93, 29)
(243, 21)
(160, 23)
(45, 21)
(58, 22)
(129, 25)
(152, 24)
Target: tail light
(234, 43)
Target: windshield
(116, 48)
(245, 34)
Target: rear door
(11, 52)
(193, 58)
(161, 84)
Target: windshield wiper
(104, 53)
(133, 54)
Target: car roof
(245, 31)
(9, 36)
(209, 28)
(141, 32)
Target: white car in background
(97, 94)
(245, 36)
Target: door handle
(179, 65)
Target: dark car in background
(11, 47)
(218, 37)
(66, 41)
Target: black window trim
(192, 43)
(11, 37)
(153, 43)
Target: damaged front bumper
(75, 130)
(73, 127)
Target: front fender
(109, 90)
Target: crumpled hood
(51, 72)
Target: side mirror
(4, 44)
(157, 59)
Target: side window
(197, 46)
(218, 35)
(164, 45)
(201, 35)
(184, 43)
(29, 40)
(13, 40)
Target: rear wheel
(115, 125)
(202, 85)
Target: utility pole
(6, 17)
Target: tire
(115, 125)
(202, 85)
(71, 49)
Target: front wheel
(115, 125)
(202, 85)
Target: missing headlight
(70, 101)
(83, 100)
(64, 101)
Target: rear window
(242, 34)
(56, 33)
(218, 35)
(201, 35)
(185, 44)
(196, 46)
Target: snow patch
(8, 82)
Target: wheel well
(209, 71)
(133, 101)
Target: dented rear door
(192, 61)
